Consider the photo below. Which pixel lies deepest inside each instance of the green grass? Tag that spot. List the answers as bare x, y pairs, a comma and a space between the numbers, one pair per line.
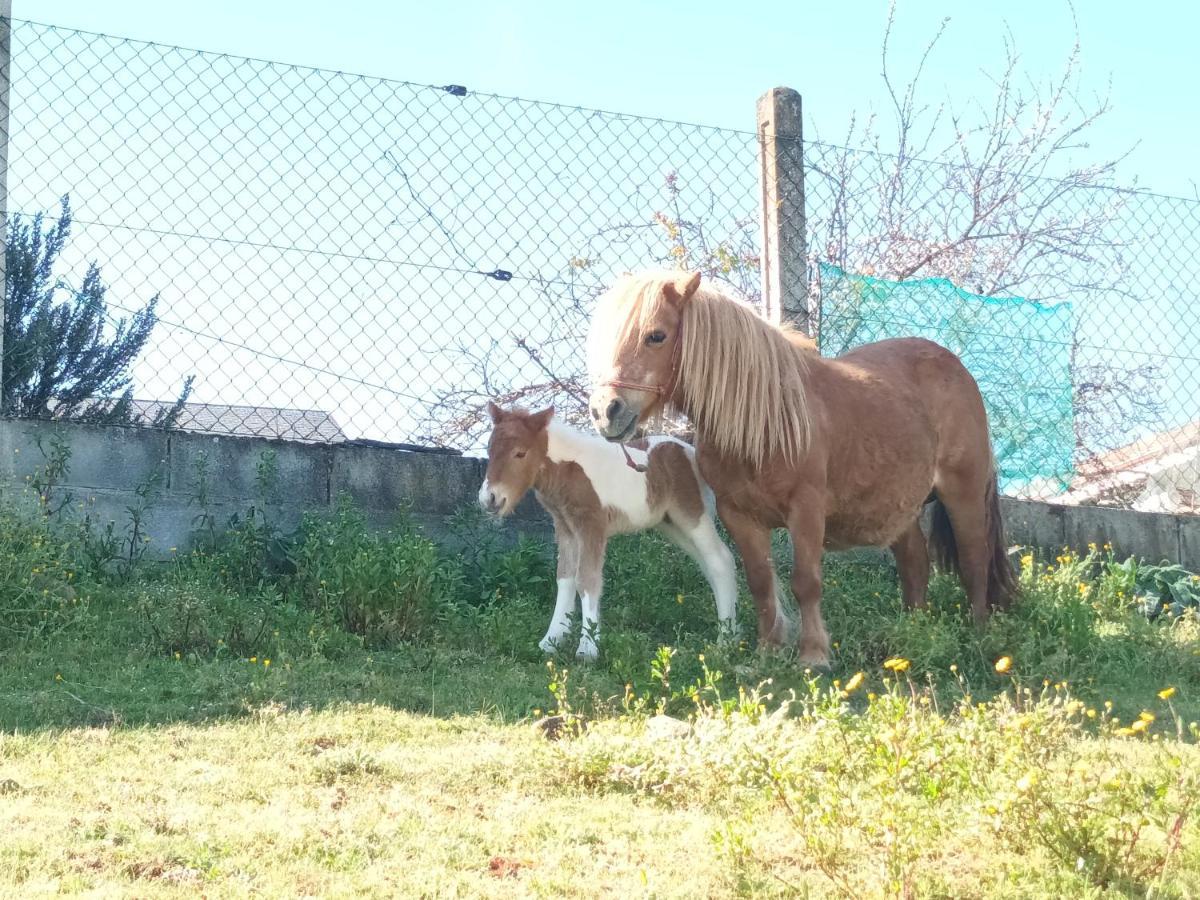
354, 718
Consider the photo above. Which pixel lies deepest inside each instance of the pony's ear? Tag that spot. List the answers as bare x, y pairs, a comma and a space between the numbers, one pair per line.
495, 412
681, 289
540, 420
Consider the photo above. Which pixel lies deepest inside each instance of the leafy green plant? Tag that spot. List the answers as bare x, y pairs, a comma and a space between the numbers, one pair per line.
491, 564
385, 587
186, 616
39, 596
46, 478
1158, 588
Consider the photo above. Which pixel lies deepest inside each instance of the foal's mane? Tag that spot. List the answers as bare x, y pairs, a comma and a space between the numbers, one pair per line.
742, 378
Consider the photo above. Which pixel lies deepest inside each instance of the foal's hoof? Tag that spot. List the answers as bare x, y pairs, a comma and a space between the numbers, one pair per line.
548, 646
587, 654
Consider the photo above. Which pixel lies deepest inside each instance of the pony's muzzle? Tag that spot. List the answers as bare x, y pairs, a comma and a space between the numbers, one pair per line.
614, 419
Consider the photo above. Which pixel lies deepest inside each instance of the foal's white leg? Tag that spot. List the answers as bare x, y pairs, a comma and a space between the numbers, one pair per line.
560, 622
703, 544
564, 601
591, 582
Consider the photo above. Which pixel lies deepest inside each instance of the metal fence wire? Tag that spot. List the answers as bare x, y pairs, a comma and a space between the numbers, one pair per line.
336, 257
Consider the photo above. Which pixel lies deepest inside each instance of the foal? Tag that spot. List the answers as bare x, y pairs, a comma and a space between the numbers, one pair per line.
592, 492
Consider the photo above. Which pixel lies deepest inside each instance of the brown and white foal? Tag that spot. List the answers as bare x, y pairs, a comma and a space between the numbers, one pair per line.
592, 492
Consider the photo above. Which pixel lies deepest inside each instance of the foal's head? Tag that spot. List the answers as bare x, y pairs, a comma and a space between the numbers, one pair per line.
516, 451
635, 349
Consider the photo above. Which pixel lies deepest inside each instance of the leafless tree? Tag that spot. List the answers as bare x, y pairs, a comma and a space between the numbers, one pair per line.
992, 198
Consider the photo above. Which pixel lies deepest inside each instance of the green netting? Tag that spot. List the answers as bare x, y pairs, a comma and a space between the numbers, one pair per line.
1018, 350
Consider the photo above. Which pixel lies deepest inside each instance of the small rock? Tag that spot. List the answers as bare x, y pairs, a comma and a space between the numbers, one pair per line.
661, 728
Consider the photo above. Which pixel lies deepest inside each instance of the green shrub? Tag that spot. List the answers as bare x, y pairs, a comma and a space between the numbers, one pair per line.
385, 587
38, 593
181, 615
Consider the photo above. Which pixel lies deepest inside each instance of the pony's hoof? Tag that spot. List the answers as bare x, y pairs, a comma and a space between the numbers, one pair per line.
548, 645
587, 654
817, 660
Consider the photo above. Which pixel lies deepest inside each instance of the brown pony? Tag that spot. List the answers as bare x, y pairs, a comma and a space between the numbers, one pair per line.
842, 452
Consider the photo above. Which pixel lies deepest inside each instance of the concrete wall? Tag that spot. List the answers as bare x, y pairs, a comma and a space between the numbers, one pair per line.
107, 464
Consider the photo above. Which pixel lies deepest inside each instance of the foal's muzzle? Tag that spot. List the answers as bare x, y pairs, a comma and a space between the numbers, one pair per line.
491, 500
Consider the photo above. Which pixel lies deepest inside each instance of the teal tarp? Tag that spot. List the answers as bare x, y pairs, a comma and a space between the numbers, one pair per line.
1018, 350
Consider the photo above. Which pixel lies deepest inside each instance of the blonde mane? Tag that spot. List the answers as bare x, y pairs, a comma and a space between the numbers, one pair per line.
742, 378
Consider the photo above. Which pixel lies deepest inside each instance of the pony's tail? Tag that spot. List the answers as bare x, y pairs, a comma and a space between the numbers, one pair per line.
785, 611
1002, 587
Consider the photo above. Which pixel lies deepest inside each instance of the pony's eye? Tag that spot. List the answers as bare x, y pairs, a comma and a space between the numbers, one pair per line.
656, 337
520, 454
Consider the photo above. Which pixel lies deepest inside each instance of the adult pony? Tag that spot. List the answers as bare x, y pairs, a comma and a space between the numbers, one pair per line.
842, 452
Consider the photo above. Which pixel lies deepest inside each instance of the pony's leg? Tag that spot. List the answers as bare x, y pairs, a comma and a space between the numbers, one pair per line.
564, 601
912, 565
964, 502
806, 524
702, 543
753, 542
591, 583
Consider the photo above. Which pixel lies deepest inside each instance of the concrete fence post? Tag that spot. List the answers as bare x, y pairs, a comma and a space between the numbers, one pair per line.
5, 71
781, 172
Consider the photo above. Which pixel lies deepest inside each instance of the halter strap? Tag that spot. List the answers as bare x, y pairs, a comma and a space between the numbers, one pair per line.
667, 388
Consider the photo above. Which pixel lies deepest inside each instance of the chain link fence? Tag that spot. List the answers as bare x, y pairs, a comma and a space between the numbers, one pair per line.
338, 257
1074, 304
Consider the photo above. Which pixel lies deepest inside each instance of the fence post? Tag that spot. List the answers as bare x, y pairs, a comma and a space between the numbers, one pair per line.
781, 170
5, 70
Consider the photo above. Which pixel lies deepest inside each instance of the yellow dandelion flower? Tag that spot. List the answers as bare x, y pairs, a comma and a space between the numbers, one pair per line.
855, 682
953, 667
1125, 732
254, 659
679, 599
1139, 726
1003, 664
1027, 561
1146, 716
1091, 714
897, 664
57, 676
1166, 693
266, 663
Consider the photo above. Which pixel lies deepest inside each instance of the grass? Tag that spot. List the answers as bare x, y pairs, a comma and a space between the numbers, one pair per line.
353, 714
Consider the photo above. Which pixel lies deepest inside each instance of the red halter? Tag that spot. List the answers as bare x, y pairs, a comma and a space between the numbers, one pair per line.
667, 388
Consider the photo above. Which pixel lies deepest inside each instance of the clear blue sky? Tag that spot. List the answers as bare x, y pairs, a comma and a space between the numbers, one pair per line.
706, 61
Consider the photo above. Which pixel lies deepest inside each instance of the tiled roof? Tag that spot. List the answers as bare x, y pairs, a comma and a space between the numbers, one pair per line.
311, 425
1166, 465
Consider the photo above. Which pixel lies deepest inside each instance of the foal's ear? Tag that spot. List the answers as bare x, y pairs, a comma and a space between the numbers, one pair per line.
495, 412
681, 289
540, 420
